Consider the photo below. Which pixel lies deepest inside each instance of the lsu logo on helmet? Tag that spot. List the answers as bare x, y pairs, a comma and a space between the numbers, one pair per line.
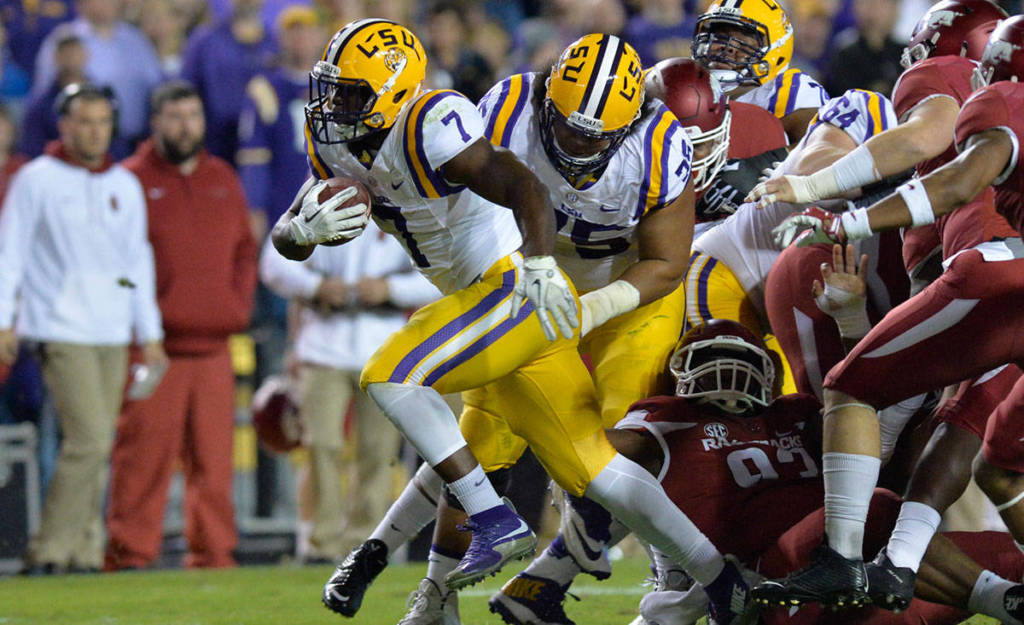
744, 42
594, 94
369, 70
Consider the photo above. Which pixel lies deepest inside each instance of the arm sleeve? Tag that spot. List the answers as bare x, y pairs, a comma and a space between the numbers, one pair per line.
859, 113
148, 324
796, 90
919, 83
287, 278
667, 161
987, 109
449, 123
17, 221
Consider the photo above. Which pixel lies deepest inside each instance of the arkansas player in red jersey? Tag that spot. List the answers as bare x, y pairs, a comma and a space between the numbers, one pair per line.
970, 312
720, 129
758, 486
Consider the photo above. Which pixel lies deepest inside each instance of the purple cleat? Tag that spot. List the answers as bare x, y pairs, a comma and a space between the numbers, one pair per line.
499, 535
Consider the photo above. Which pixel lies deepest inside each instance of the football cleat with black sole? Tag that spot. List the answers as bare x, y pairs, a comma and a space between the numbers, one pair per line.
343, 592
531, 600
890, 586
829, 579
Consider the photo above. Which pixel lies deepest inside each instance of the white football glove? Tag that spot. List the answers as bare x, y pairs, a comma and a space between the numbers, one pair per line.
321, 223
823, 224
544, 286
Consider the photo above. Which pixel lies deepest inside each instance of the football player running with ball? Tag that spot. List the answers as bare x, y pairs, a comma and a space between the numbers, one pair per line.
440, 187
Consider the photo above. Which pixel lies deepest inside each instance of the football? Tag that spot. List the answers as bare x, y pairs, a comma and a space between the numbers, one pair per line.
338, 184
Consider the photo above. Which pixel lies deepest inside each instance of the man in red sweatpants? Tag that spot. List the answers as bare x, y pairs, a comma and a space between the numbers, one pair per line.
206, 272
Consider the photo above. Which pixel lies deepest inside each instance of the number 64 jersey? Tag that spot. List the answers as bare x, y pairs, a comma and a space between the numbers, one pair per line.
721, 468
597, 218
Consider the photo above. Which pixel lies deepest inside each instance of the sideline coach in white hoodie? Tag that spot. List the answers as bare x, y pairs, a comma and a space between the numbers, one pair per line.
77, 279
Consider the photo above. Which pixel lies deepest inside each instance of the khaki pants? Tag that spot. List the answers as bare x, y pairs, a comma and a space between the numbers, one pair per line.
85, 383
351, 484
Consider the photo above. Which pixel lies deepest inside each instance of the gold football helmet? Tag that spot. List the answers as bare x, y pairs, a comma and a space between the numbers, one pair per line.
594, 94
744, 42
369, 70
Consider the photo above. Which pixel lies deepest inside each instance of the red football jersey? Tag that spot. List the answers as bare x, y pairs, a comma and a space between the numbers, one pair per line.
978, 221
743, 143
762, 469
999, 105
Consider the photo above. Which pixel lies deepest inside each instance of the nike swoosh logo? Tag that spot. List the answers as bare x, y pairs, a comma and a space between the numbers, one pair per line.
337, 595
310, 218
509, 536
395, 528
475, 484
590, 553
395, 186
608, 210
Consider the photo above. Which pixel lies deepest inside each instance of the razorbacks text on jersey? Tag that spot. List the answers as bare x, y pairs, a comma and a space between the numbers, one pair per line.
597, 217
762, 467
790, 91
452, 234
999, 106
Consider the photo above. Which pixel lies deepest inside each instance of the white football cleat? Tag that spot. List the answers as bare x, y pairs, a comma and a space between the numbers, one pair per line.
427, 606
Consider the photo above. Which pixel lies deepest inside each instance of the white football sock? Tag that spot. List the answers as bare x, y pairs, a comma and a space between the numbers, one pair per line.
422, 416
634, 497
475, 492
849, 482
987, 597
439, 565
914, 529
412, 511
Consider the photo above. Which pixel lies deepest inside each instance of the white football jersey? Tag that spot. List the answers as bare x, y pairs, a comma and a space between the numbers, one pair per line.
743, 241
597, 219
452, 235
790, 91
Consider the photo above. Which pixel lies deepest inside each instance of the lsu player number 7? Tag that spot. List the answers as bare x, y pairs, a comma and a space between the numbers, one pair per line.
441, 189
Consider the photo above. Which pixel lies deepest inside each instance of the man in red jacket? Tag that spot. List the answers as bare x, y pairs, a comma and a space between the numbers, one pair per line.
206, 272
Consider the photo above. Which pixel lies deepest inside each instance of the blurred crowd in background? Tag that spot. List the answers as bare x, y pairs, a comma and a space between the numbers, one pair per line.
249, 61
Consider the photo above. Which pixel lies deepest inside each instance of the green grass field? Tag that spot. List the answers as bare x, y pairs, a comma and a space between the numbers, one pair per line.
277, 596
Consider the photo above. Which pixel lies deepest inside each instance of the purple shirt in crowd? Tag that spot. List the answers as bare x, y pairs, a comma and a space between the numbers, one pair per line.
221, 67
271, 127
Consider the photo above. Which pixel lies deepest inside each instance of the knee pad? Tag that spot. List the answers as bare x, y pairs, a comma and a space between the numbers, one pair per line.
500, 479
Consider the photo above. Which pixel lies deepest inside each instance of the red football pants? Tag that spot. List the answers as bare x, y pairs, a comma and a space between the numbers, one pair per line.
964, 324
189, 419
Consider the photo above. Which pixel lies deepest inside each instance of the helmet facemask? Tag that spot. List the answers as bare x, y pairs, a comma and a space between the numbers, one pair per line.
734, 61
341, 109
567, 163
716, 144
726, 372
